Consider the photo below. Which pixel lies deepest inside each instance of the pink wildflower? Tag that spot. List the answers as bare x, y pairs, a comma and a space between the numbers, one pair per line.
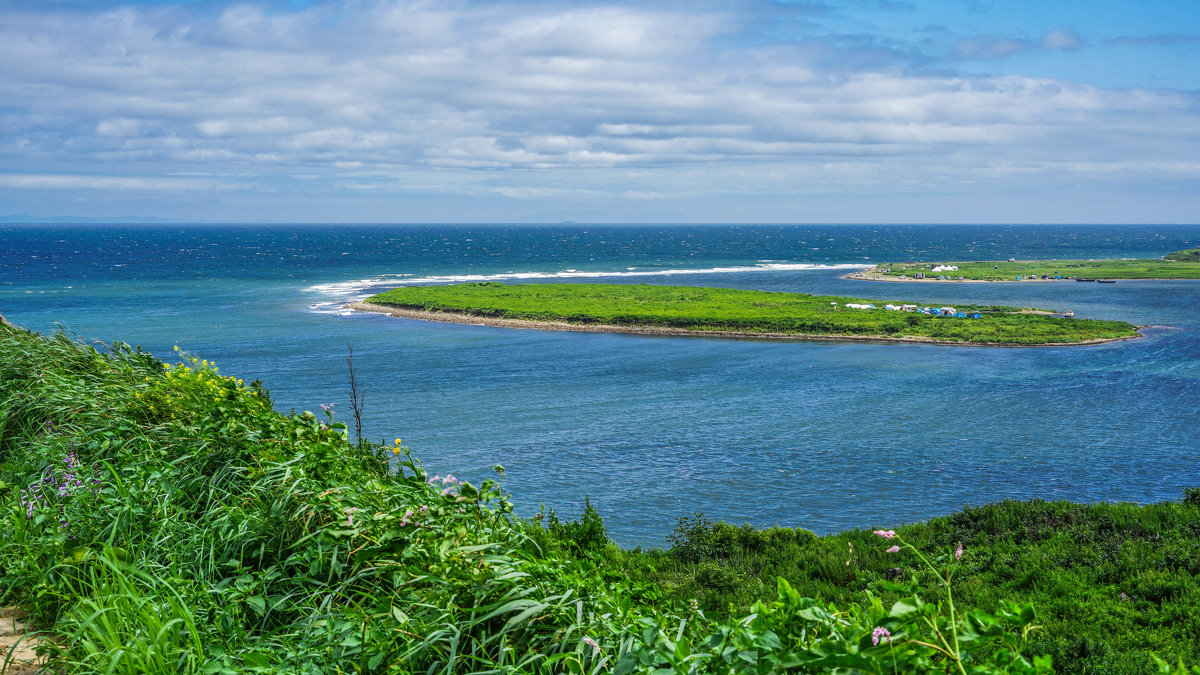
449, 479
880, 632
435, 479
592, 643
350, 516
894, 549
958, 552
446, 491
886, 534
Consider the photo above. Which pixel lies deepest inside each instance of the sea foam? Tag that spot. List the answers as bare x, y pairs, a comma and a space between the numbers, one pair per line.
335, 295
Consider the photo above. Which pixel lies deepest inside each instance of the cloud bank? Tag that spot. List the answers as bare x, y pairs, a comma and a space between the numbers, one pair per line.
540, 105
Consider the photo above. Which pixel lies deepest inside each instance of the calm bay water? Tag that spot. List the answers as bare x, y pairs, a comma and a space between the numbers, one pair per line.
822, 435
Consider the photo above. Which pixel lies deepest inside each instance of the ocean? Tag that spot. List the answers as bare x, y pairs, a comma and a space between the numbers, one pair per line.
821, 435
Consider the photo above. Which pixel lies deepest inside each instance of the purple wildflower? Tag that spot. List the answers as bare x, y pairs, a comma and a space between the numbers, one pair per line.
886, 534
958, 552
894, 549
880, 632
592, 644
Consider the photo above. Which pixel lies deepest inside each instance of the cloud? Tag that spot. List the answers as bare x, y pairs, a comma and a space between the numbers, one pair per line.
990, 47
987, 48
529, 101
1061, 39
92, 182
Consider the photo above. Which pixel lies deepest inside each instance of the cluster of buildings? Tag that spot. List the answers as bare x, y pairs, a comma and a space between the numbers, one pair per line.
932, 311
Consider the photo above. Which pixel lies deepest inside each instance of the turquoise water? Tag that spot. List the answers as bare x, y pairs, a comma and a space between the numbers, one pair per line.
821, 435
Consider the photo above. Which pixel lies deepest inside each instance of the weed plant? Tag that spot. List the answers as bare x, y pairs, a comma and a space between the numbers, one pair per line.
180, 525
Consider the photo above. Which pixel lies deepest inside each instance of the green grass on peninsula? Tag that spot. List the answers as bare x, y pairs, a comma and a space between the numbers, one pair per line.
163, 518
744, 311
1187, 255
1178, 265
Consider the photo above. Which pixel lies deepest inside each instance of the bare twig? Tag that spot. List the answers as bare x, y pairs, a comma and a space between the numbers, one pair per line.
356, 395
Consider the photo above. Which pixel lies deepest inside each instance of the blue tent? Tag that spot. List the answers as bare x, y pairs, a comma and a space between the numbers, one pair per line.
976, 316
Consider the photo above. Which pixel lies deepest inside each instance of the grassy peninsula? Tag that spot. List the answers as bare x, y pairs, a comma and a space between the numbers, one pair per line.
1177, 265
727, 311
160, 517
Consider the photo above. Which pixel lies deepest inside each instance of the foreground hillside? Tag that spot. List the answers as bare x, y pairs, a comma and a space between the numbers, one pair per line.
161, 518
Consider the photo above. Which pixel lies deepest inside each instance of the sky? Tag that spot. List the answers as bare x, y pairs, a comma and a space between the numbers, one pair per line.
753, 111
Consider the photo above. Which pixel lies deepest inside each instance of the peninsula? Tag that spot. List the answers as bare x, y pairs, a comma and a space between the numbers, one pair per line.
1177, 265
727, 312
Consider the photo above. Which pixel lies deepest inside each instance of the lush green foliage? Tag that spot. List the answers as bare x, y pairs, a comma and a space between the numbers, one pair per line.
742, 311
1186, 255
1115, 584
1180, 267
166, 520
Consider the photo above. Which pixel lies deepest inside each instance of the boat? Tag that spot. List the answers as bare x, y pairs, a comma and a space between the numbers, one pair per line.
1106, 281
1082, 279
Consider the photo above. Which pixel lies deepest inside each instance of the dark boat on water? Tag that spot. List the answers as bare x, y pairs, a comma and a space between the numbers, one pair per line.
1106, 281
1082, 279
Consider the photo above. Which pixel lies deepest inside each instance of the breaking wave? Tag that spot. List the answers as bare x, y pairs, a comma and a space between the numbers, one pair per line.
334, 295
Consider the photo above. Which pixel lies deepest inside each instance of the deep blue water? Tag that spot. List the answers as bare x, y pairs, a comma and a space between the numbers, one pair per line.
822, 435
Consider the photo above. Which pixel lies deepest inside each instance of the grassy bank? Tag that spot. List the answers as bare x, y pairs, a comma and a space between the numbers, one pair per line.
716, 310
1185, 265
1186, 255
162, 518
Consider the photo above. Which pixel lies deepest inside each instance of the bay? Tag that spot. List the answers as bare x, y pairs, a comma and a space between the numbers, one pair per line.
822, 435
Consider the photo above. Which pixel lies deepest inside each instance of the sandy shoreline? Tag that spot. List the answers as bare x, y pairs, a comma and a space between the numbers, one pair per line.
471, 319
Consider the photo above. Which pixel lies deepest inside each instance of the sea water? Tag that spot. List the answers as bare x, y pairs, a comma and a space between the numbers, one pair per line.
821, 435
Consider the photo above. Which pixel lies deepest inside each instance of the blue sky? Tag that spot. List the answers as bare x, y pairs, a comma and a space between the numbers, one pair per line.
542, 111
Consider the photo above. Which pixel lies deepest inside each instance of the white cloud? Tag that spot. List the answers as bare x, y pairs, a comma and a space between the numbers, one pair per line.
86, 182
1066, 40
535, 100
